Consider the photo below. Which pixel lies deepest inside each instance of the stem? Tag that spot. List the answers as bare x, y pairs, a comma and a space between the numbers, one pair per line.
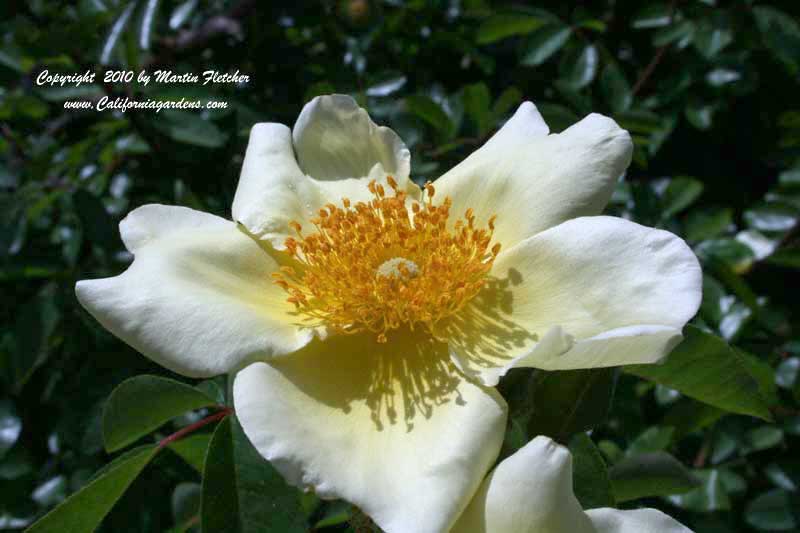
166, 441
651, 67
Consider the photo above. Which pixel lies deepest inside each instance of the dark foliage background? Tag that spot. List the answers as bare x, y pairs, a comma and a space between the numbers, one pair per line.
707, 88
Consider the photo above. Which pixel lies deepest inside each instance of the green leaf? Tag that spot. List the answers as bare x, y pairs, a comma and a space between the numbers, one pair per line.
652, 16
688, 416
579, 66
785, 374
700, 115
98, 226
761, 438
186, 506
189, 128
505, 25
589, 474
35, 324
681, 33
149, 15
242, 492
142, 404
704, 367
557, 116
788, 257
431, 112
649, 474
508, 99
84, 510
781, 34
775, 510
785, 474
708, 222
192, 449
337, 512
772, 217
711, 495
681, 192
10, 426
615, 88
713, 35
181, 14
570, 401
654, 439
543, 43
476, 104
116, 31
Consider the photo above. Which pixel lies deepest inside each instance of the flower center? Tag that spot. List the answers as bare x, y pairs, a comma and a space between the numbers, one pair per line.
399, 267
376, 266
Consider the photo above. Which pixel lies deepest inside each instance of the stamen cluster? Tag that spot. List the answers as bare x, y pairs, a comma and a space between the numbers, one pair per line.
340, 277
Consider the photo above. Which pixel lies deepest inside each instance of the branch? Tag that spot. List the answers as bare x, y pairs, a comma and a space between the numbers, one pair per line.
651, 67
224, 24
166, 441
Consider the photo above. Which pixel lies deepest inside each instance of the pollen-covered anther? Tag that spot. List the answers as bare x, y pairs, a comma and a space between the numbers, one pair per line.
389, 262
399, 267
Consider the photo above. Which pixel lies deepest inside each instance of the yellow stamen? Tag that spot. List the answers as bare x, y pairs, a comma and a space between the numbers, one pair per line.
377, 266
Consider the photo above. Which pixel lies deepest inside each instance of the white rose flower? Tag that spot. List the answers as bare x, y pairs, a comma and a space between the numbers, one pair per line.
531, 492
379, 315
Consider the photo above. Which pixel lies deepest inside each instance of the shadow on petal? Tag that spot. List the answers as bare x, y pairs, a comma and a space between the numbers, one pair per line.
399, 381
483, 334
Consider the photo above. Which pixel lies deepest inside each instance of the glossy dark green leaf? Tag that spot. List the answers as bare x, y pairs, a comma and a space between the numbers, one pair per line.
654, 439
507, 101
116, 32
476, 104
711, 495
336, 513
781, 34
192, 449
10, 426
425, 108
615, 87
704, 367
181, 13
190, 128
707, 222
688, 416
558, 117
579, 65
98, 226
570, 401
186, 507
35, 324
772, 216
242, 492
84, 510
681, 33
712, 36
149, 19
784, 474
505, 25
655, 15
387, 84
787, 372
763, 373
650, 474
700, 115
761, 438
681, 192
142, 404
775, 510
590, 479
543, 43
788, 257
